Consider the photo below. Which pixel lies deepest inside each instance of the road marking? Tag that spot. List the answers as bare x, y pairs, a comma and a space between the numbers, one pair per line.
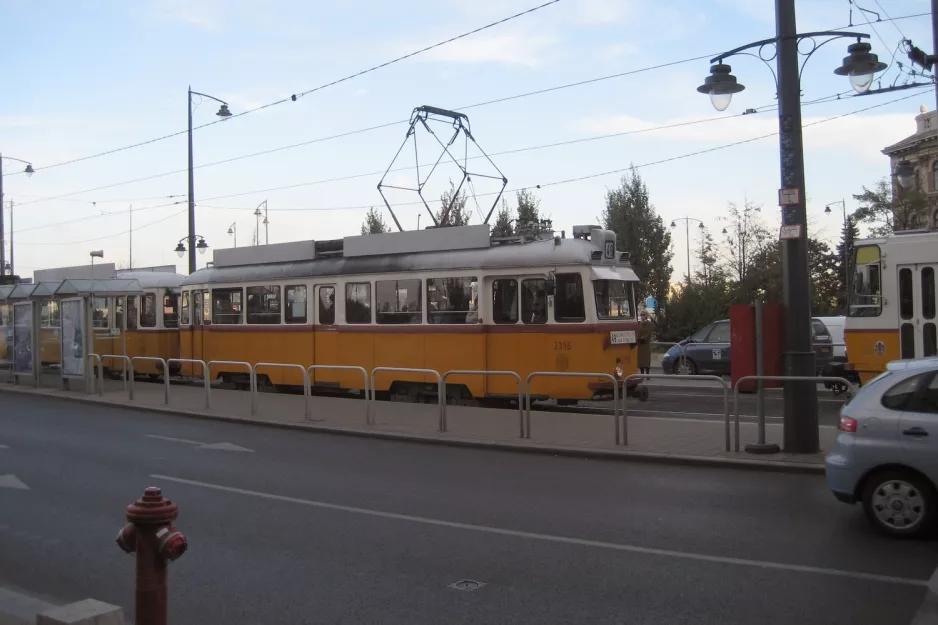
582, 542
3, 447
200, 445
11, 481
705, 414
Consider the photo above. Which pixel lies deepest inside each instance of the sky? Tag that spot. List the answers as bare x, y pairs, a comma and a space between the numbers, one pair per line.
89, 77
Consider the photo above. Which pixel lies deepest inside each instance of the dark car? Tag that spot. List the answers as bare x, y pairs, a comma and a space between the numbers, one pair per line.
708, 350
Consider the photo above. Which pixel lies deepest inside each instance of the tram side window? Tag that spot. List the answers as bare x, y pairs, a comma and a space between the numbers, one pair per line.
131, 312
171, 310
327, 305
505, 300
227, 307
263, 305
928, 292
866, 299
399, 301
100, 315
295, 310
196, 308
207, 307
534, 301
148, 311
452, 300
906, 301
358, 302
184, 320
118, 312
569, 305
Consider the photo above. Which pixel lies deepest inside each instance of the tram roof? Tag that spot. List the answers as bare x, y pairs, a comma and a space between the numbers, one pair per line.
560, 252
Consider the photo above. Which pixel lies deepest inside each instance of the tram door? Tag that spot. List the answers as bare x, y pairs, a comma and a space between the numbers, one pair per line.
917, 321
201, 315
326, 339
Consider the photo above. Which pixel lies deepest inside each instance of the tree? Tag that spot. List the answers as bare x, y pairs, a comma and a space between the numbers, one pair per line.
746, 237
710, 271
458, 214
528, 207
848, 235
885, 213
641, 232
691, 307
374, 223
502, 227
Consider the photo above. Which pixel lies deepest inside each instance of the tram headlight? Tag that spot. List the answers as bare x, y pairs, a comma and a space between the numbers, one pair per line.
619, 372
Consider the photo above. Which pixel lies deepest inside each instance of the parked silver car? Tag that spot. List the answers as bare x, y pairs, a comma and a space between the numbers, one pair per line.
886, 452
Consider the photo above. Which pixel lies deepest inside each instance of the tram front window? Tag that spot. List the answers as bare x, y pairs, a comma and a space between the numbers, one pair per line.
866, 296
614, 299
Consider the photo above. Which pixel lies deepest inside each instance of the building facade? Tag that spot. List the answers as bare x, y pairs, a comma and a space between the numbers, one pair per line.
920, 149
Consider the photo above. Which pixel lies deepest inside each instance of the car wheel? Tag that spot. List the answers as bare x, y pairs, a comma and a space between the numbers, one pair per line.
899, 502
685, 366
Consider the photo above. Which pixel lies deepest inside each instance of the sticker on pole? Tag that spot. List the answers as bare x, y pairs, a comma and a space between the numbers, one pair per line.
792, 231
788, 196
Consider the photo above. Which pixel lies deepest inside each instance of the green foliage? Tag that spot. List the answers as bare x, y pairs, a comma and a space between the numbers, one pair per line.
640, 231
458, 214
528, 207
502, 227
374, 223
884, 213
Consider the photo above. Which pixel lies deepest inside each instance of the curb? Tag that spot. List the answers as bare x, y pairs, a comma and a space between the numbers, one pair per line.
774, 466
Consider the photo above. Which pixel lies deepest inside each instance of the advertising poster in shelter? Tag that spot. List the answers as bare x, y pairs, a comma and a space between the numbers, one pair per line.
73, 343
23, 337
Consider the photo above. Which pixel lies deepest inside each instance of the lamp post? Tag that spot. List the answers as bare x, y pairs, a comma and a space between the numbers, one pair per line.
257, 214
181, 246
847, 250
801, 420
29, 172
223, 112
233, 230
687, 221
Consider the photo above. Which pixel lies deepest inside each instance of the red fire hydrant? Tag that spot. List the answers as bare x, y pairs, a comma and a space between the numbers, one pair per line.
151, 535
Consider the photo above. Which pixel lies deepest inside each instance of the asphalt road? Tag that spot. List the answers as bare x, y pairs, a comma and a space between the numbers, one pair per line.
314, 528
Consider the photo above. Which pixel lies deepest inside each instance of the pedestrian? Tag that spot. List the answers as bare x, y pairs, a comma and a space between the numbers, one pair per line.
643, 338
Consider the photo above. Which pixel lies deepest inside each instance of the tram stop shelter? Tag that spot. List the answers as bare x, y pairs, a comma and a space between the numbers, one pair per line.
35, 336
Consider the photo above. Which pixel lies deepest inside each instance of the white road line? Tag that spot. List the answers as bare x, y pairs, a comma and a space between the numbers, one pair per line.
582, 542
3, 447
175, 440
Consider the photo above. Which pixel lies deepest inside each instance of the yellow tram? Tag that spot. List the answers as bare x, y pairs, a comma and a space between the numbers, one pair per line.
440, 299
892, 303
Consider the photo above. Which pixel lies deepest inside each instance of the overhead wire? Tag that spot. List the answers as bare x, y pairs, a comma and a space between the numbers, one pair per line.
102, 238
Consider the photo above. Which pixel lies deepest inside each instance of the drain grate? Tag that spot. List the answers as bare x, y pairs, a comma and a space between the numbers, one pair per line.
467, 585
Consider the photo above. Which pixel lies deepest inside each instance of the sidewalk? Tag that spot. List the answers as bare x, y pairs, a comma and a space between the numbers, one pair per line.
651, 439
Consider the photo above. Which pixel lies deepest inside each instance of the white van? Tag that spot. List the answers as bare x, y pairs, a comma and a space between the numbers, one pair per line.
835, 326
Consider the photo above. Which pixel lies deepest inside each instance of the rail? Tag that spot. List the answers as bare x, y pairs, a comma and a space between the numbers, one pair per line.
778, 378
570, 374
279, 365
99, 383
165, 371
441, 389
206, 380
471, 372
126, 371
652, 376
345, 368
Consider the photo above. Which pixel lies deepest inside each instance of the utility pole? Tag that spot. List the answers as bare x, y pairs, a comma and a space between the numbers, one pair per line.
130, 248
12, 266
801, 417
191, 237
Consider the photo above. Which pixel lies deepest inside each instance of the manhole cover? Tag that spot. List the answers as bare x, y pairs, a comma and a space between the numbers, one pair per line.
467, 585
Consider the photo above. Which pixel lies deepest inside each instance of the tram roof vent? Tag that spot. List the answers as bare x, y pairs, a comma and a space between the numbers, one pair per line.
415, 241
584, 232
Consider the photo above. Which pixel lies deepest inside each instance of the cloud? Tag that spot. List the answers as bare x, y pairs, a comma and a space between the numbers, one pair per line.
508, 48
204, 14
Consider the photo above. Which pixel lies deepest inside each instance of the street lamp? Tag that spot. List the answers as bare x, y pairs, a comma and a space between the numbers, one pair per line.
687, 221
181, 246
847, 250
905, 172
257, 226
801, 418
223, 113
29, 171
233, 230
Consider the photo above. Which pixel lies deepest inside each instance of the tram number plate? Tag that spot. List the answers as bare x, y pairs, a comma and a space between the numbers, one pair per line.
622, 337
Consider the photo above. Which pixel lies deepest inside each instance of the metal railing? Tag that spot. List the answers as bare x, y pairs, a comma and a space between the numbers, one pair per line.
569, 374
237, 363
441, 389
99, 383
165, 370
777, 378
206, 380
278, 365
345, 368
124, 372
511, 373
653, 376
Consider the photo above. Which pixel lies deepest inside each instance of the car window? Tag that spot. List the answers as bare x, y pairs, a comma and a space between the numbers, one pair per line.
928, 401
898, 397
720, 334
818, 328
701, 335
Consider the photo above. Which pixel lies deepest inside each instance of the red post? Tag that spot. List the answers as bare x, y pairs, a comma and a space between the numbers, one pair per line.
151, 535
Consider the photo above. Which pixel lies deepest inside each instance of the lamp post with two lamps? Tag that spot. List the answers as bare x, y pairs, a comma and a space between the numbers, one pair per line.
223, 113
860, 65
181, 246
233, 230
29, 171
687, 221
257, 228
